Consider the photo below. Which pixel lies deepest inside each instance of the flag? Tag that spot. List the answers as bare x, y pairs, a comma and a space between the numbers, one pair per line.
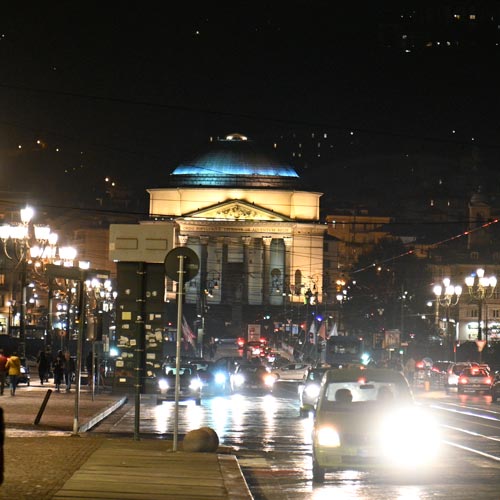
312, 332
334, 332
322, 330
187, 333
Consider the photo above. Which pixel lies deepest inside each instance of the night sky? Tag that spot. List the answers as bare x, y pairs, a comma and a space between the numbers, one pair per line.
129, 90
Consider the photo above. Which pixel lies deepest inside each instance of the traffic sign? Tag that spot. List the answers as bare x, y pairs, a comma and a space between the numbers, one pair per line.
190, 267
480, 344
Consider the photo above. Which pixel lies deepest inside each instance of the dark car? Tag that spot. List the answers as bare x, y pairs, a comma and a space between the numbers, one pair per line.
474, 379
309, 390
252, 377
495, 388
189, 384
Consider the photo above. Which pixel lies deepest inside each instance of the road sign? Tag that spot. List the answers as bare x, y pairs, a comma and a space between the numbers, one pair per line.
190, 267
480, 344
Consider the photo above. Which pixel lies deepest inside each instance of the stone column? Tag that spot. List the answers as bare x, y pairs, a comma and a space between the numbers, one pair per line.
266, 240
246, 272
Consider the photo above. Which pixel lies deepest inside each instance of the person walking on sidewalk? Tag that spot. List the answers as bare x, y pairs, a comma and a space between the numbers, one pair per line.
58, 369
3, 371
69, 370
43, 366
13, 366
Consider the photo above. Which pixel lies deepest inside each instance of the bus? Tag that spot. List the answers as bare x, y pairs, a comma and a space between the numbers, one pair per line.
345, 349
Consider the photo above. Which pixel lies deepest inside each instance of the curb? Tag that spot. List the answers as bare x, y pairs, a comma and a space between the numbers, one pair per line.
234, 480
101, 416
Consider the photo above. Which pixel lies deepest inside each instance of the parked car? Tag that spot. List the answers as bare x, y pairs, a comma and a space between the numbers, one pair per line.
189, 384
474, 379
291, 371
367, 419
252, 377
309, 390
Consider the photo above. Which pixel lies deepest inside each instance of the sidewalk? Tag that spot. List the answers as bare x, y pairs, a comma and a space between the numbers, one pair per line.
49, 460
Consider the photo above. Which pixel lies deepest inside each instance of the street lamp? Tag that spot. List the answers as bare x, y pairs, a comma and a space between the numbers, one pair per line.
17, 240
481, 288
447, 296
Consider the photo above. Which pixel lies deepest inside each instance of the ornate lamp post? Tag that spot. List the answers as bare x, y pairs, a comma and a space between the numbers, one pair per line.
447, 296
481, 288
18, 240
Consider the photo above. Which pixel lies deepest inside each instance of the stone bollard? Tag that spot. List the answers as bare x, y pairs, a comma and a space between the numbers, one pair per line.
203, 440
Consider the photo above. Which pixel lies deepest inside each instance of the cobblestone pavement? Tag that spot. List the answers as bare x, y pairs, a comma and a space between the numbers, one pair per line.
36, 467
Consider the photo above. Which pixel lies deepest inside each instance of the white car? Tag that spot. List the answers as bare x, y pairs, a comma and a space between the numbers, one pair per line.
291, 371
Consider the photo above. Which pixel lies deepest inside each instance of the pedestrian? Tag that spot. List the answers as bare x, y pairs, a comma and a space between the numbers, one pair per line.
69, 370
89, 363
43, 366
58, 368
13, 366
3, 371
409, 370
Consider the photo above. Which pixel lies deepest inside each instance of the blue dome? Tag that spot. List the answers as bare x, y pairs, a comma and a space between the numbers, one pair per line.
234, 161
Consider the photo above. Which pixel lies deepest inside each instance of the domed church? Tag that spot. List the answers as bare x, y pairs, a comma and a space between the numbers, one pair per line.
256, 233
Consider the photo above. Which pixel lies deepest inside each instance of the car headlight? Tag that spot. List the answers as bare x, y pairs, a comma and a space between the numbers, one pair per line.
312, 390
220, 378
269, 380
327, 436
195, 384
409, 437
239, 379
162, 384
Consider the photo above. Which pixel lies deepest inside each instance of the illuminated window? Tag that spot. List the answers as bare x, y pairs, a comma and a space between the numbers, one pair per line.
456, 16
472, 17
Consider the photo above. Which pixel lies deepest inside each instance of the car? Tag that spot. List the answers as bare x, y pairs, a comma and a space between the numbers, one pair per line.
367, 419
291, 371
474, 379
254, 348
189, 384
252, 377
454, 370
439, 373
495, 387
309, 390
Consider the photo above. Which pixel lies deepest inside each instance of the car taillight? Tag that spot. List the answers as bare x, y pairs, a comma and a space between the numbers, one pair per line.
463, 380
489, 380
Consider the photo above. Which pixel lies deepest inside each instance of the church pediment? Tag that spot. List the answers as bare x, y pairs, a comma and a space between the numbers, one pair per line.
237, 210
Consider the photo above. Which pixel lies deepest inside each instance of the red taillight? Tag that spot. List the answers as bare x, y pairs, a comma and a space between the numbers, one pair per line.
489, 380
463, 380
420, 364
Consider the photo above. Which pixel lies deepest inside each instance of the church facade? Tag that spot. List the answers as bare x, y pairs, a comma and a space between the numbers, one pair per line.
257, 236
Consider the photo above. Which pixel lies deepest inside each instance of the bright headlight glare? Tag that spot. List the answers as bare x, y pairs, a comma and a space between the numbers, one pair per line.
162, 384
195, 384
312, 390
220, 378
409, 437
269, 380
328, 436
239, 379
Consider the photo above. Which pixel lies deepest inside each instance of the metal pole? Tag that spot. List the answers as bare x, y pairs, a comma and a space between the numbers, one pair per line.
139, 348
81, 326
180, 291
22, 319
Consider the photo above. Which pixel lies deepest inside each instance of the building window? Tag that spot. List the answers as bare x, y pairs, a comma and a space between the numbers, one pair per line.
473, 313
495, 313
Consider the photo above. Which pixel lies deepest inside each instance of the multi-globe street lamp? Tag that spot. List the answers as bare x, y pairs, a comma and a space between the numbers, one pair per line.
447, 296
34, 244
480, 288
